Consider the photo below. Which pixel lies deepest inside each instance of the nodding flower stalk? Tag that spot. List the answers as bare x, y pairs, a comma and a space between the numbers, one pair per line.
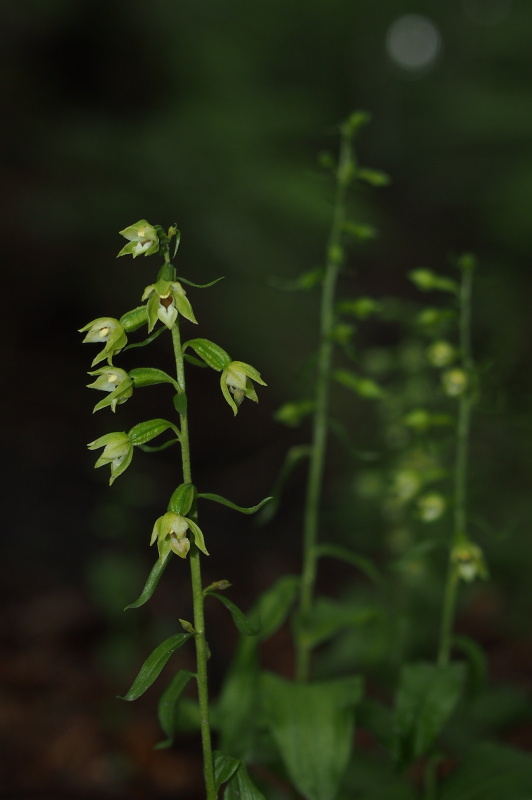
176, 531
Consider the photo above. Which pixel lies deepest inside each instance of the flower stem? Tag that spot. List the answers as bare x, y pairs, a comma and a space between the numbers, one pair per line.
344, 175
461, 463
197, 590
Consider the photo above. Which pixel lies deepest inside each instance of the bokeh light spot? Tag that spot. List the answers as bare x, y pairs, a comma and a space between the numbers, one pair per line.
413, 42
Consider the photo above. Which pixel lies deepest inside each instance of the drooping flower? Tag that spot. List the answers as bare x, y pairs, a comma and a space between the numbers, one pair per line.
166, 299
469, 561
115, 381
431, 507
118, 452
455, 382
236, 383
143, 239
170, 533
108, 331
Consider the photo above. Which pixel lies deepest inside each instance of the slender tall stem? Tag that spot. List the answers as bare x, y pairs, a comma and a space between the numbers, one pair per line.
197, 590
460, 471
345, 174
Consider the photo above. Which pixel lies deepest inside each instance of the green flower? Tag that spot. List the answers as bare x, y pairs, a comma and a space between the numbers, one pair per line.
431, 507
170, 533
166, 299
118, 452
143, 239
108, 331
469, 561
236, 382
454, 382
115, 381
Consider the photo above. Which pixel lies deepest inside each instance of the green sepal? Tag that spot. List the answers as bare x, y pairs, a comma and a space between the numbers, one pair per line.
243, 624
182, 499
150, 585
146, 431
168, 703
211, 353
374, 177
241, 787
154, 664
200, 285
364, 387
216, 498
198, 535
134, 319
354, 559
180, 402
148, 376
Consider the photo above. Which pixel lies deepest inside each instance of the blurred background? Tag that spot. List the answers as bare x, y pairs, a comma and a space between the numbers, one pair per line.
212, 116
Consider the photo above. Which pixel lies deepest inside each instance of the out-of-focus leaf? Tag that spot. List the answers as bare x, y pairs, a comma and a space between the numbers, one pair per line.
241, 787
329, 617
168, 705
490, 772
224, 768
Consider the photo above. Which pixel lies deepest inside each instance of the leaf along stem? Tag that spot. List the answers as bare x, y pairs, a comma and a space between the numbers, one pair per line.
334, 257
197, 591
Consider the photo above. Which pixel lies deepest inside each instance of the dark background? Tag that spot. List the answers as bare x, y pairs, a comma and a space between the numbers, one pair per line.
211, 115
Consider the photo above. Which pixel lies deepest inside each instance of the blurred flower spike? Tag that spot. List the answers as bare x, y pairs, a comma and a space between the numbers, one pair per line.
469, 561
108, 331
143, 239
236, 383
118, 452
166, 299
115, 381
170, 533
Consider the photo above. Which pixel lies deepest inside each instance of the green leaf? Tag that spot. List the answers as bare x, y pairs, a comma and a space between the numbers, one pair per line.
239, 618
426, 698
292, 458
237, 712
241, 787
180, 403
147, 376
490, 772
153, 665
146, 448
146, 431
329, 617
149, 588
200, 285
274, 605
224, 768
312, 725
213, 355
168, 704
364, 387
216, 498
362, 563
292, 414
477, 661
151, 338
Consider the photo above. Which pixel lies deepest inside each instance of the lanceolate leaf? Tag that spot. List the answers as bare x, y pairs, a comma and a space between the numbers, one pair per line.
147, 376
216, 498
224, 768
426, 698
312, 725
241, 787
168, 705
149, 340
146, 431
349, 557
239, 618
153, 665
149, 588
274, 605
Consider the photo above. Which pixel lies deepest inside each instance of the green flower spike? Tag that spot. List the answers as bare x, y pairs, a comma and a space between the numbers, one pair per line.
108, 331
115, 381
143, 239
166, 299
170, 532
118, 452
236, 383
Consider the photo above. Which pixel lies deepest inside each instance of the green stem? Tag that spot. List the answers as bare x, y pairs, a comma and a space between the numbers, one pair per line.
460, 472
197, 592
345, 174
